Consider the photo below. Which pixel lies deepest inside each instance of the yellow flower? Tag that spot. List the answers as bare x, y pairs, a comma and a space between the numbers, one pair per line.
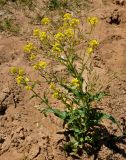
32, 57
40, 65
55, 94
75, 82
28, 47
67, 16
36, 66
42, 36
28, 88
19, 79
26, 80
89, 50
56, 47
52, 86
14, 70
74, 22
45, 21
21, 72
69, 33
59, 36
93, 43
93, 20
36, 32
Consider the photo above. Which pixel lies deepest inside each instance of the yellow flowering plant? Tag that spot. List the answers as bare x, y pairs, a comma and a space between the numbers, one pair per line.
81, 120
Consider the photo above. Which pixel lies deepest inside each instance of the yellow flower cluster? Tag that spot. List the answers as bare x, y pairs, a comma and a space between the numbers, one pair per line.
56, 92
32, 57
21, 72
69, 32
59, 36
40, 65
52, 86
42, 36
29, 47
75, 82
69, 20
15, 70
67, 16
74, 22
56, 47
21, 79
93, 20
89, 50
24, 81
36, 32
45, 21
93, 43
28, 88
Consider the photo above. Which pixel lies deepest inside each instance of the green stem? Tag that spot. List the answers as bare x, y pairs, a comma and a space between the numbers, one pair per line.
42, 100
75, 73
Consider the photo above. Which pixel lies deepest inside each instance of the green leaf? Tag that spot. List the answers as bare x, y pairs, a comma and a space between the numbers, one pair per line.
33, 96
97, 96
111, 118
61, 114
45, 97
33, 85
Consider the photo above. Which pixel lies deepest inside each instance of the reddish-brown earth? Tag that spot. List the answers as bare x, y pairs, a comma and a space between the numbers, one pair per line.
24, 132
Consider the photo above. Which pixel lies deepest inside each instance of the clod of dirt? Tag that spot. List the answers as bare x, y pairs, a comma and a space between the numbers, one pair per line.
5, 146
19, 133
115, 17
2, 109
119, 2
34, 152
2, 139
3, 96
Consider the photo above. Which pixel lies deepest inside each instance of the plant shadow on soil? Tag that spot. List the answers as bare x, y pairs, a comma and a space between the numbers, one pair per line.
108, 140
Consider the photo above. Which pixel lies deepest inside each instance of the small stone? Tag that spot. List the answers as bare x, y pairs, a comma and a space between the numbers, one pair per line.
34, 152
2, 13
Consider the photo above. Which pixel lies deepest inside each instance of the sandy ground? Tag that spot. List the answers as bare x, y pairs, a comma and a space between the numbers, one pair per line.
24, 132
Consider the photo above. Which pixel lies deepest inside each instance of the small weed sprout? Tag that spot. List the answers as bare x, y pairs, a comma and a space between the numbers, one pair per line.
28, 3
58, 44
72, 5
8, 25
